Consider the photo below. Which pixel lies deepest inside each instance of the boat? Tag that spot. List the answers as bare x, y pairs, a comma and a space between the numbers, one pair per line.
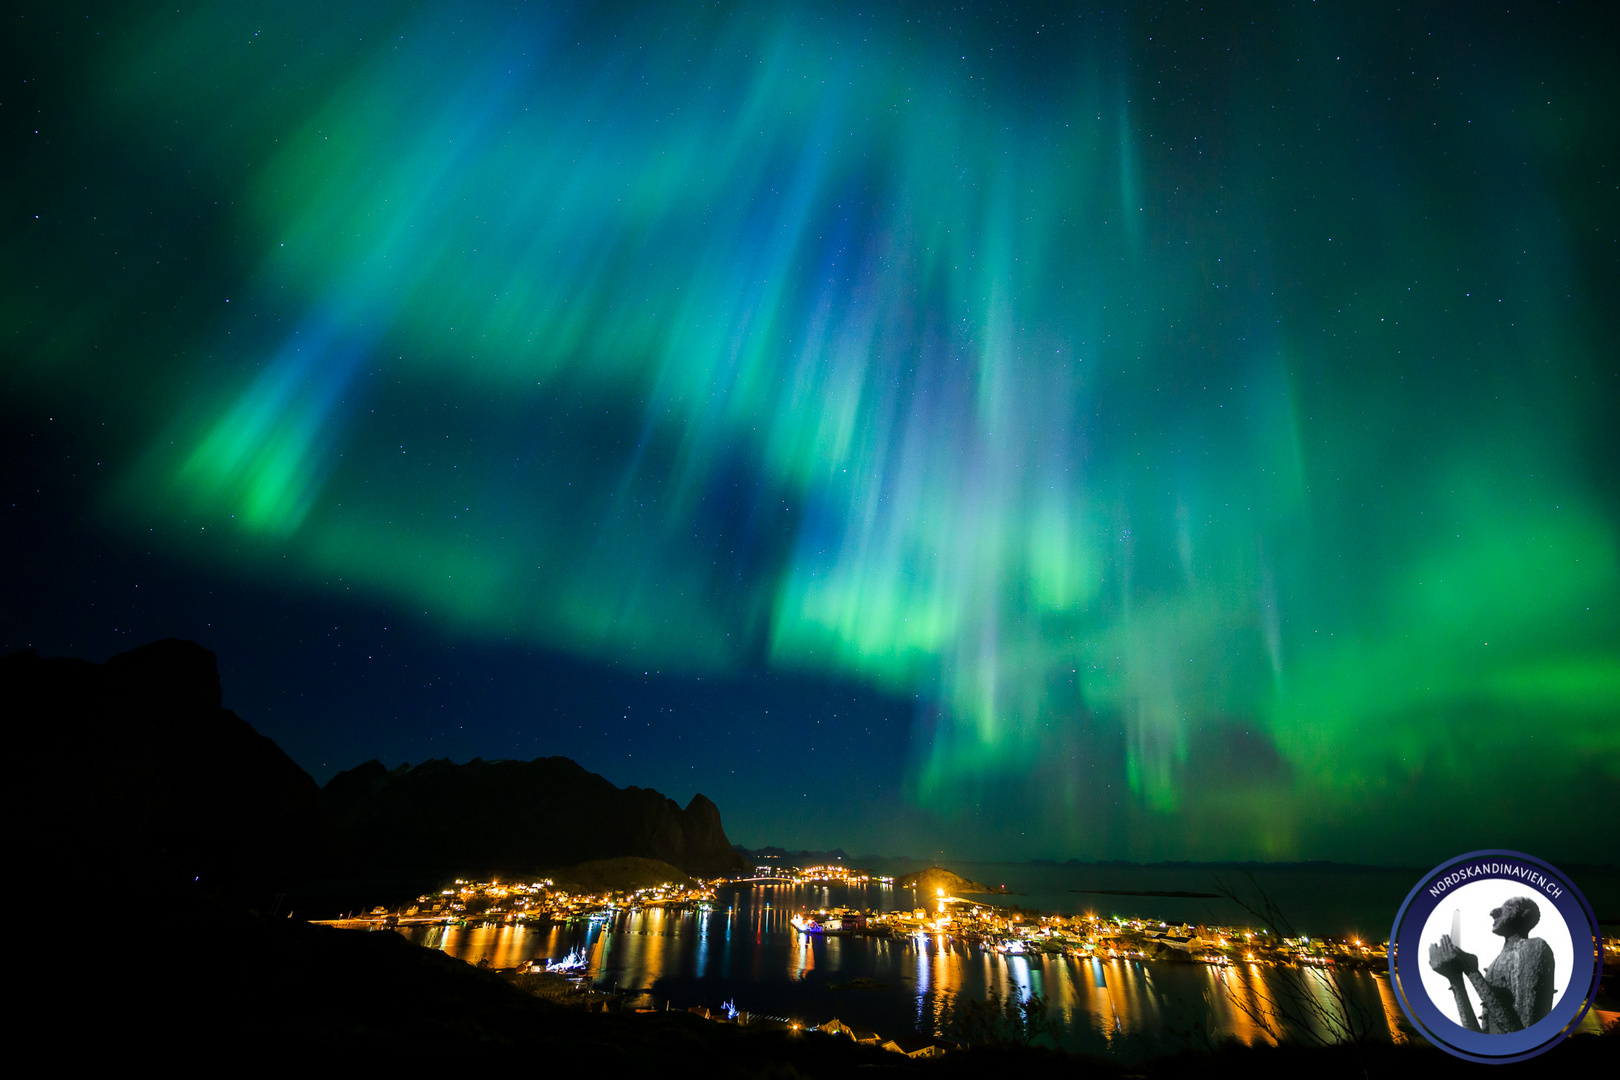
837, 921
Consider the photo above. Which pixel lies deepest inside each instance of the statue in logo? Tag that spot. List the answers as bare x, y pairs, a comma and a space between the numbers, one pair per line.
1517, 989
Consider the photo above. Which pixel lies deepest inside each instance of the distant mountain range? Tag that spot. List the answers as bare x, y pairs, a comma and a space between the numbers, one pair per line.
770, 855
502, 817
133, 768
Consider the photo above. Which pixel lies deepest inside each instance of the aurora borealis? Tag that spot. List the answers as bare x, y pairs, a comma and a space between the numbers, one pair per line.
1201, 421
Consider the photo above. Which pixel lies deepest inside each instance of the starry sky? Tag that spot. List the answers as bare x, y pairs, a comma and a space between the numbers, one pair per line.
1146, 431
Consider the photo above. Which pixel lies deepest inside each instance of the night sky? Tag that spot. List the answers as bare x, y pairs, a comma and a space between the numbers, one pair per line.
1121, 431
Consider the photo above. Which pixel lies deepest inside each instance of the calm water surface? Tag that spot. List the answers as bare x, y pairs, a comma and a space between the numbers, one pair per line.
745, 951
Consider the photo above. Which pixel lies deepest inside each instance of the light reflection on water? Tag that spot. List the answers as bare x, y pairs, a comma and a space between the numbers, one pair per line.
746, 950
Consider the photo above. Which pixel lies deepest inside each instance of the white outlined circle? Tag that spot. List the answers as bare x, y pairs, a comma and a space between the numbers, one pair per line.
1473, 903
1443, 894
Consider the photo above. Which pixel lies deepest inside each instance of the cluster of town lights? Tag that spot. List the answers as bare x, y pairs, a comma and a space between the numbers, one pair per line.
1005, 930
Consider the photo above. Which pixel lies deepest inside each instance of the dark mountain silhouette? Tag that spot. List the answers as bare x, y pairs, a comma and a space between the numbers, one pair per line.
134, 767
514, 817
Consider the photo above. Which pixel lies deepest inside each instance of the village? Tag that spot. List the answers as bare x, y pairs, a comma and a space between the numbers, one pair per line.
1007, 930
1015, 931
928, 921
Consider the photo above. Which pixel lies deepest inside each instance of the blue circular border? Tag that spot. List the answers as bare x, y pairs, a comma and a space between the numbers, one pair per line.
1539, 1037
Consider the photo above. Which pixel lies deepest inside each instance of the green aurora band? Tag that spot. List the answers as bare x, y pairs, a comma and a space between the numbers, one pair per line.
1217, 462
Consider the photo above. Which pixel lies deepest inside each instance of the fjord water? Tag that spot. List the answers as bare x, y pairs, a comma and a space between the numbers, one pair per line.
745, 951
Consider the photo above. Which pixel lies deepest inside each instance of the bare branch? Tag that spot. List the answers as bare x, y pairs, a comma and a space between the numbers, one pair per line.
1298, 1005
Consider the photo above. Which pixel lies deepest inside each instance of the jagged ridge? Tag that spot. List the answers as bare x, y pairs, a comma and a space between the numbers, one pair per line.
514, 817
134, 765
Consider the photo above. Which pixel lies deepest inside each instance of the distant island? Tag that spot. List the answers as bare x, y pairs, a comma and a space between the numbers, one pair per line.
937, 880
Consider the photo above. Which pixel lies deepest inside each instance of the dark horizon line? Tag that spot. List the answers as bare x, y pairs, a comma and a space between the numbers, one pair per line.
1239, 864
